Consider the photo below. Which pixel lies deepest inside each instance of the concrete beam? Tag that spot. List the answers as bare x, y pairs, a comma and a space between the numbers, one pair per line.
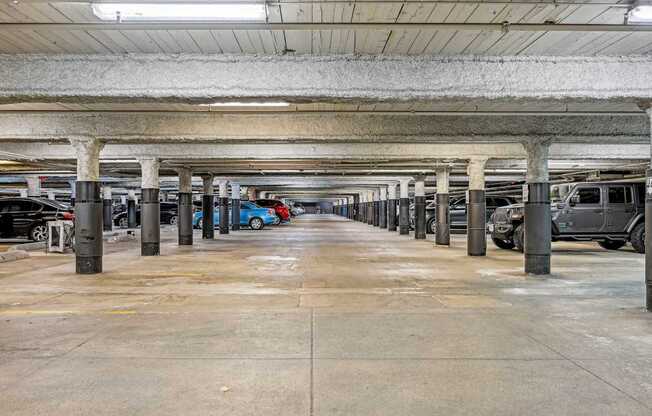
208, 78
346, 127
183, 152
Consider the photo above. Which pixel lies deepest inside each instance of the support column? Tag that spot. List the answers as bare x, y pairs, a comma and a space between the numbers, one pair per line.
376, 206
88, 209
419, 209
537, 217
33, 185
404, 208
107, 202
363, 207
150, 208
648, 227
370, 207
391, 208
185, 207
132, 220
73, 191
235, 206
224, 207
476, 235
442, 210
208, 206
382, 208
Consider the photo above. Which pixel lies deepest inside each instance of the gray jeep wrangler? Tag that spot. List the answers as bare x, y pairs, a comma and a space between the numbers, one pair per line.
611, 213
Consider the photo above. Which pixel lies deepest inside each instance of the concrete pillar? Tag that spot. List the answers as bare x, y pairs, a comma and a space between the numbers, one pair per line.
370, 207
382, 208
132, 219
51, 196
363, 207
648, 228
185, 207
376, 208
537, 217
88, 209
235, 206
150, 208
224, 207
476, 235
391, 207
107, 203
73, 191
419, 209
251, 193
123, 200
404, 208
33, 185
208, 206
442, 200
22, 193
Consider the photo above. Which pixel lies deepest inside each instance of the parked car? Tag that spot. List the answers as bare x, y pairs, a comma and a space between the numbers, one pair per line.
282, 210
457, 212
169, 215
251, 215
29, 216
297, 209
611, 213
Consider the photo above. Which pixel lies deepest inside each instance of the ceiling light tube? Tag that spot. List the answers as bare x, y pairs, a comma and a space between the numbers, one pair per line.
248, 104
139, 12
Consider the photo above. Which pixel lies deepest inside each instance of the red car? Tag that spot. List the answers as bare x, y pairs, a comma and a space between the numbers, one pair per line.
281, 210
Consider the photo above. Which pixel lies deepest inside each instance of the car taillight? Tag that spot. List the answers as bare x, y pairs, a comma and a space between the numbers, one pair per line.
68, 216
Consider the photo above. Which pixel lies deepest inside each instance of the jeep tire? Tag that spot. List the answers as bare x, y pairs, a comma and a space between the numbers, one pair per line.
611, 244
503, 244
518, 237
637, 238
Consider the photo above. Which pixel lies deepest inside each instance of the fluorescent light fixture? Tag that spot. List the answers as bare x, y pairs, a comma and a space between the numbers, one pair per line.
640, 13
125, 12
248, 104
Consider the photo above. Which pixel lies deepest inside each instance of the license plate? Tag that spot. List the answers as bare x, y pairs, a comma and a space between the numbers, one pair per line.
490, 228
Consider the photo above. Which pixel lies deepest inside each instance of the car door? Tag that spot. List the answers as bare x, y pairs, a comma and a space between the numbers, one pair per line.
458, 213
619, 208
25, 214
584, 212
6, 219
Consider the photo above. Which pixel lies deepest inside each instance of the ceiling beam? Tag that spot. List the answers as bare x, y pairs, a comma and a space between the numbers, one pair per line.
336, 127
208, 78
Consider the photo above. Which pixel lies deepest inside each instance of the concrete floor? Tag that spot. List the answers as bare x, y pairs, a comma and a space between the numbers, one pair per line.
325, 317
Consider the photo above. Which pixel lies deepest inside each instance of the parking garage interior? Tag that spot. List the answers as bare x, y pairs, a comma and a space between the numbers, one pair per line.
325, 207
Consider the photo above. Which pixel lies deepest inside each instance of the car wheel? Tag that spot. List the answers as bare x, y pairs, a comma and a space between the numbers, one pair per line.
518, 237
123, 222
173, 220
39, 232
505, 245
256, 224
277, 221
431, 227
611, 244
637, 238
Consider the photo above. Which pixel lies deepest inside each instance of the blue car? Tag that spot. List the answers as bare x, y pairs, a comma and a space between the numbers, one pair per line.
251, 215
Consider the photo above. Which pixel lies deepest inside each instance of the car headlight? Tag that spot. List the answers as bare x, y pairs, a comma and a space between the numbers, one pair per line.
516, 215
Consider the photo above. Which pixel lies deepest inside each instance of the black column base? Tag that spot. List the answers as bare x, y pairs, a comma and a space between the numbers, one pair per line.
382, 221
207, 228
150, 222
132, 219
88, 265
476, 234
391, 215
420, 217
648, 243
184, 222
108, 214
538, 228
150, 249
235, 215
404, 216
88, 228
442, 230
224, 215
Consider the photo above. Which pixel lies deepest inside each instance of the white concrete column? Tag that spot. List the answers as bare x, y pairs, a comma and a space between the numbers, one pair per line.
149, 167
107, 192
405, 188
123, 200
235, 190
475, 170
383, 194
537, 160
132, 195
207, 182
443, 175
88, 158
23, 193
185, 180
51, 196
33, 185
391, 191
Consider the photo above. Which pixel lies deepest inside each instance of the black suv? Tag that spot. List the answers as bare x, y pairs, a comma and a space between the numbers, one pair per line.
29, 216
611, 213
169, 215
458, 212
